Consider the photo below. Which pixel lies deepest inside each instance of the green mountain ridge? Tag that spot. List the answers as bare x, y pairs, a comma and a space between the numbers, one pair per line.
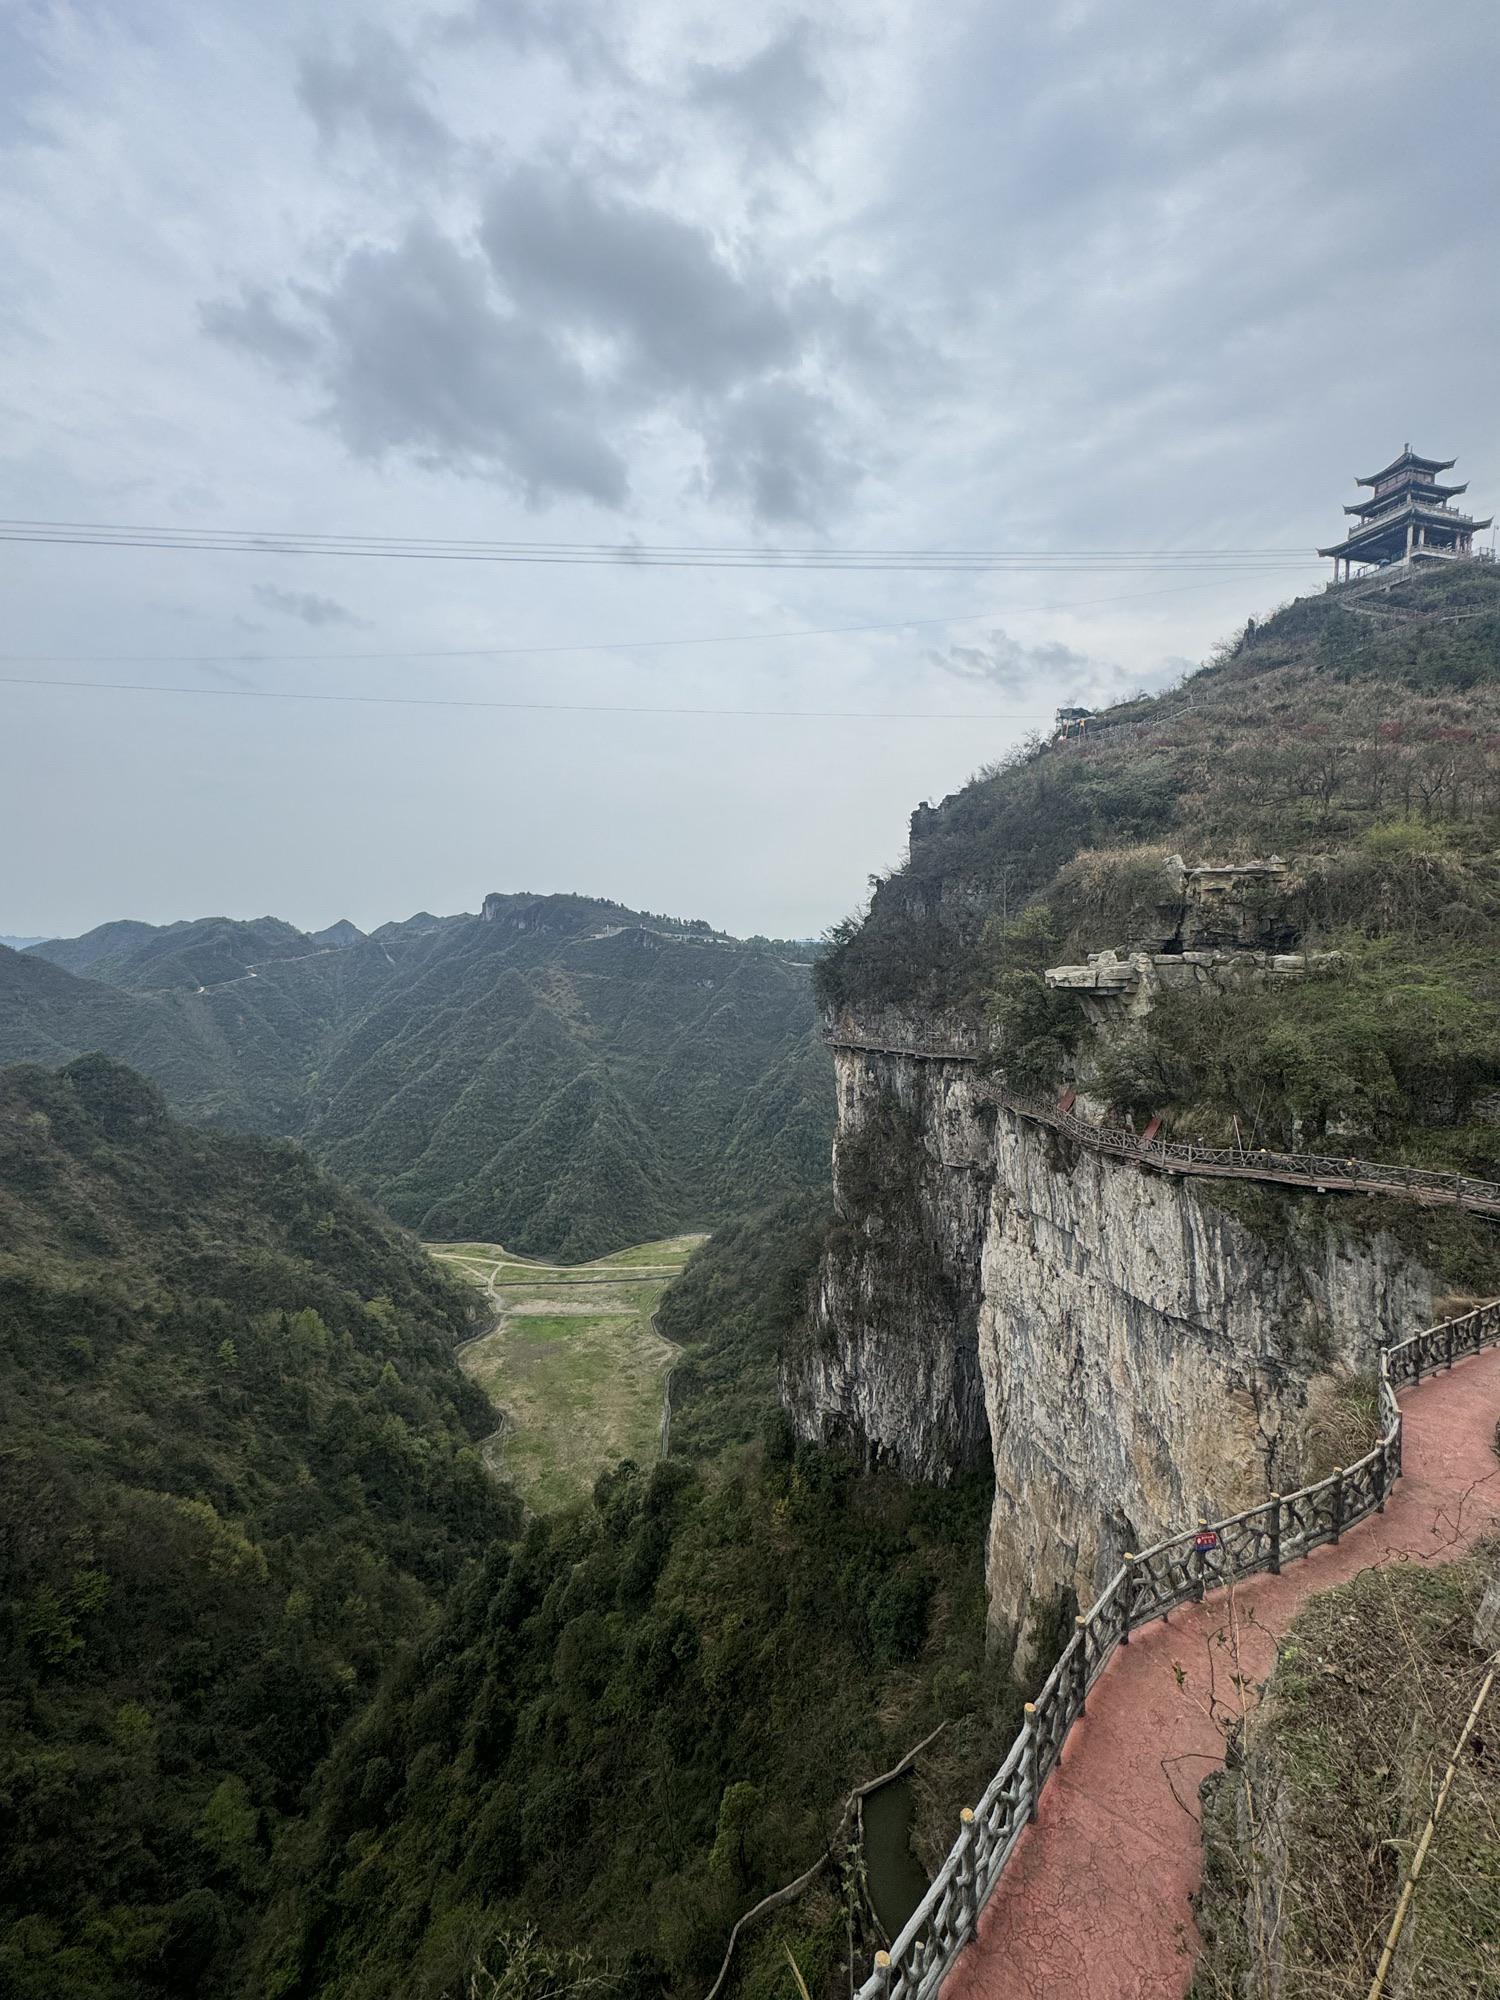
560, 1073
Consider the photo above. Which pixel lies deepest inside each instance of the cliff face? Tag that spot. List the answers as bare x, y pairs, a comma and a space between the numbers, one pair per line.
1127, 1352
893, 1365
1147, 1358
1129, 1348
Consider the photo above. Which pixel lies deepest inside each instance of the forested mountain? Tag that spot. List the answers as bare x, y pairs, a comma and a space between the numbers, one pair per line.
236, 1469
645, 1714
148, 958
559, 1073
239, 1495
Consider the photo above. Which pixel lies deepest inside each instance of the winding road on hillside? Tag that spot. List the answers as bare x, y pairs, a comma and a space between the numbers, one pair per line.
1096, 1901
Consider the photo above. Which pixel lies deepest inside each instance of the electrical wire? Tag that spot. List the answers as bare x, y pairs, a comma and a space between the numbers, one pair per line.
600, 708
542, 707
245, 541
595, 646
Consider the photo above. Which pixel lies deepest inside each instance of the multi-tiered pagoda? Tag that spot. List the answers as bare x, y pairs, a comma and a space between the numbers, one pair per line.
1406, 519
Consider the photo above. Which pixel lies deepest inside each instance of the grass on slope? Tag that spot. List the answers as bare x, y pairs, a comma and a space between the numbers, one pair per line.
1368, 1698
574, 1362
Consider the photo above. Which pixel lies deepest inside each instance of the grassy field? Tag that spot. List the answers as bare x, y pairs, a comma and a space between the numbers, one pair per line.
573, 1361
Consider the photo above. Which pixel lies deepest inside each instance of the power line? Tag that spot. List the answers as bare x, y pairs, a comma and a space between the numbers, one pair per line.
623, 549
608, 708
36, 533
542, 707
599, 646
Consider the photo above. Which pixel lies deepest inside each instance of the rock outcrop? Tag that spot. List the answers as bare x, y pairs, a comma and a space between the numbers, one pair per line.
1126, 1351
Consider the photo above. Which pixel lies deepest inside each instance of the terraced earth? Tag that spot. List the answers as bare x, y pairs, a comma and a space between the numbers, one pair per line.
573, 1362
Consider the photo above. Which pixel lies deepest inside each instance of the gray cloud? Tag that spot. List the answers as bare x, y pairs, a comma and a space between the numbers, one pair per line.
771, 99
573, 32
372, 91
422, 357
1000, 661
784, 450
417, 355
586, 314
305, 605
660, 287
255, 322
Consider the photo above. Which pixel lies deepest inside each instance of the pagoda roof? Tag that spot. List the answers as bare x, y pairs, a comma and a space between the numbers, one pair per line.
1413, 508
1409, 458
1372, 534
1425, 491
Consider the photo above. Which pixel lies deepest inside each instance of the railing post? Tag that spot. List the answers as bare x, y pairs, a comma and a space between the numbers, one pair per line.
1382, 1480
1081, 1665
1033, 1762
968, 1887
1127, 1598
882, 1972
1337, 1506
1274, 1504
1448, 1345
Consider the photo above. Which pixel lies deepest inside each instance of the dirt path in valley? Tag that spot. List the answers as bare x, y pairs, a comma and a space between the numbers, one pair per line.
1096, 1901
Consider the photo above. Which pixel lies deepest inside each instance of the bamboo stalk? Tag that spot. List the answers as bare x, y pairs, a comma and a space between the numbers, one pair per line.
1409, 1887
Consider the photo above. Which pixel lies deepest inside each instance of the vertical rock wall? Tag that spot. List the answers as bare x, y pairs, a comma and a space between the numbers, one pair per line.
1126, 1352
1147, 1358
891, 1363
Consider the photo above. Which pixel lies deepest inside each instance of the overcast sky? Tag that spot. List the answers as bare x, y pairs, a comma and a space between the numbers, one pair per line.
1098, 276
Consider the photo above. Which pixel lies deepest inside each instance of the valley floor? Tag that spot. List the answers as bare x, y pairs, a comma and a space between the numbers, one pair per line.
573, 1361
1097, 1901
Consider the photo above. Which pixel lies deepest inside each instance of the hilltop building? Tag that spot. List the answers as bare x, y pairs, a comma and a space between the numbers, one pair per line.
1406, 520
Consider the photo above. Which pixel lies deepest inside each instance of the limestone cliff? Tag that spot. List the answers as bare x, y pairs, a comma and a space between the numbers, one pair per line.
1232, 912
1127, 1353
893, 1363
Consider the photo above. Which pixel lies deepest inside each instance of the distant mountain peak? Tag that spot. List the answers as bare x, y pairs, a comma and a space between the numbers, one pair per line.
566, 1076
338, 936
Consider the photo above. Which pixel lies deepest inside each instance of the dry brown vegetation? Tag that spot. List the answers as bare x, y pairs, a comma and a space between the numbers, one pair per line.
1311, 1835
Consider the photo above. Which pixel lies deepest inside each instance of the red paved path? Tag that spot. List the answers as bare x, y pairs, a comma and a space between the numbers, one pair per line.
1095, 1903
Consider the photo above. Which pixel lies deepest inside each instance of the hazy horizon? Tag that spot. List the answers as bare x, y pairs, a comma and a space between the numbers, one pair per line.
311, 927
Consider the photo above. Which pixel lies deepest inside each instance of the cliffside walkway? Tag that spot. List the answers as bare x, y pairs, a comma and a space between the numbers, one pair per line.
1074, 1879
1324, 1171
1096, 1901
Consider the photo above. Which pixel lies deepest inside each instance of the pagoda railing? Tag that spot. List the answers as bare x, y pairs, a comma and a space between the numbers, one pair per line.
1180, 1570
1324, 1171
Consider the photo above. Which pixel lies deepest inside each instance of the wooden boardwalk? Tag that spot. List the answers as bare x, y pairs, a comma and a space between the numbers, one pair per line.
1327, 1173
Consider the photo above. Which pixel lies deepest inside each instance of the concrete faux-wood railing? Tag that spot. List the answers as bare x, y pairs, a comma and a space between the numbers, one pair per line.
1146, 1587
1324, 1171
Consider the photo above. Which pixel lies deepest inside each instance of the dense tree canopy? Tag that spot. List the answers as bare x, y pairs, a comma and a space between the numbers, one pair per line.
236, 1469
